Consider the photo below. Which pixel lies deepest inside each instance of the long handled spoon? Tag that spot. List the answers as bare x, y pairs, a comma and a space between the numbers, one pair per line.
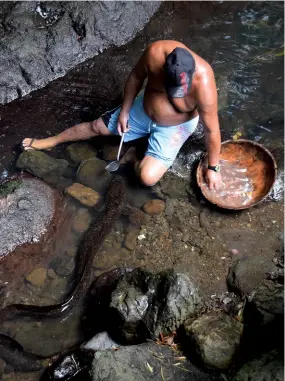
114, 165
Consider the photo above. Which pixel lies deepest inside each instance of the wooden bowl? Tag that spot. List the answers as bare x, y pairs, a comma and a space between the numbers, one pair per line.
248, 171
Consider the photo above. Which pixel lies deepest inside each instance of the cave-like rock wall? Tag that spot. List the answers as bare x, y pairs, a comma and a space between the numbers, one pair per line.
41, 41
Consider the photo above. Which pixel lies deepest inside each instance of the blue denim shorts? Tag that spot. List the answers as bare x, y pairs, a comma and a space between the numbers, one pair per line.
164, 142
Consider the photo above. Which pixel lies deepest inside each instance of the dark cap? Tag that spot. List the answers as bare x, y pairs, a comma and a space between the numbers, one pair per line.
179, 69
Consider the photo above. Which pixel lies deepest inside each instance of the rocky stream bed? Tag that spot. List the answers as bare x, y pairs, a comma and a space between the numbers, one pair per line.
178, 289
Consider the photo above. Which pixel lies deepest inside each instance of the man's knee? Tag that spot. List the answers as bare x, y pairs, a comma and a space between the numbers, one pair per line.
148, 178
94, 126
98, 127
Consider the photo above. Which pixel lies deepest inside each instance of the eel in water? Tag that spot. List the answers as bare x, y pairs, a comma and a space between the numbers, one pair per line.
92, 241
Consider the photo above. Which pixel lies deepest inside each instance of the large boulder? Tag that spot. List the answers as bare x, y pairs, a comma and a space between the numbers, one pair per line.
215, 337
60, 35
93, 174
25, 213
145, 362
268, 367
248, 272
144, 304
42, 165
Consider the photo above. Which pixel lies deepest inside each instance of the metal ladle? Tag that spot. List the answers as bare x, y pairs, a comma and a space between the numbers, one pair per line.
114, 165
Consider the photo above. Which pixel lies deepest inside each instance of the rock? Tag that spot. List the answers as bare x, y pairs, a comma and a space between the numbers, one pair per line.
81, 221
146, 304
247, 273
145, 362
216, 337
37, 277
138, 218
268, 367
131, 239
154, 207
85, 195
100, 342
92, 173
60, 36
109, 153
79, 152
20, 224
42, 165
2, 366
267, 304
63, 265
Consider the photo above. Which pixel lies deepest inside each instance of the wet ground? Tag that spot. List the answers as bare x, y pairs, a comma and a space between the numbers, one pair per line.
244, 44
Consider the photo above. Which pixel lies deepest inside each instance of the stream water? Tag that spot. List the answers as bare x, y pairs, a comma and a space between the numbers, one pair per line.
244, 45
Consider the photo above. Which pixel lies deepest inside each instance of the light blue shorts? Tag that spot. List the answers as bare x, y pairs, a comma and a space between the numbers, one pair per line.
164, 142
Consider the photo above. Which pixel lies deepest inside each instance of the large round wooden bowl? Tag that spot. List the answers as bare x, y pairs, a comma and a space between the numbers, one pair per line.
248, 171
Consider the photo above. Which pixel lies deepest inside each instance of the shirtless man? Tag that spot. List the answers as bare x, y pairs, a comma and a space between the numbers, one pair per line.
180, 89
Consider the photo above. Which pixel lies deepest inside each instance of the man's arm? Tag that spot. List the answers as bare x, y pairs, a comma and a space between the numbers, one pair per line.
133, 86
208, 111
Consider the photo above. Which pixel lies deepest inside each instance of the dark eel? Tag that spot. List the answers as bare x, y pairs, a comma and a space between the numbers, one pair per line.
91, 243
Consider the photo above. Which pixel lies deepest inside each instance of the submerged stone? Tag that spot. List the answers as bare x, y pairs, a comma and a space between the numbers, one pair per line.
216, 338
42, 165
154, 207
79, 152
100, 342
37, 277
85, 195
93, 174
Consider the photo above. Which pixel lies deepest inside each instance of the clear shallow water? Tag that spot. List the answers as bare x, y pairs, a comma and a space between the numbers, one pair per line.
245, 50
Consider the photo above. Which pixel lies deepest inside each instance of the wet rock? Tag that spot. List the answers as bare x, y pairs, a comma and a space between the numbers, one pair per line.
216, 338
92, 173
145, 362
109, 153
100, 342
79, 152
81, 221
42, 165
268, 367
138, 218
2, 366
85, 195
131, 239
37, 277
60, 36
248, 272
146, 304
63, 265
154, 207
173, 186
21, 224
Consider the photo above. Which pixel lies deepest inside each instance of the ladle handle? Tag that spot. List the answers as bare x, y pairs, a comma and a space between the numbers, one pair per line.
121, 143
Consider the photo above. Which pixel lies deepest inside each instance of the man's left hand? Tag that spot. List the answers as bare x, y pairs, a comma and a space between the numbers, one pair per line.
214, 180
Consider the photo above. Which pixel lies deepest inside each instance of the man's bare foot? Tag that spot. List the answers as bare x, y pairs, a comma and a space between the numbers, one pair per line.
47, 144
130, 156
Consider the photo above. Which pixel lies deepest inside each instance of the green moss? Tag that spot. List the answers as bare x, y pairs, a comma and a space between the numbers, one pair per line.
9, 187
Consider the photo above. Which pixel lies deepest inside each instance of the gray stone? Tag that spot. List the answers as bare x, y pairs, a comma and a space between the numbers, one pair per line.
60, 35
42, 165
147, 304
101, 342
268, 367
79, 152
63, 265
146, 362
93, 174
248, 272
216, 337
19, 224
267, 303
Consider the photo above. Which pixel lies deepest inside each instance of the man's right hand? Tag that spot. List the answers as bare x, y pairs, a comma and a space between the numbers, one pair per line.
123, 125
